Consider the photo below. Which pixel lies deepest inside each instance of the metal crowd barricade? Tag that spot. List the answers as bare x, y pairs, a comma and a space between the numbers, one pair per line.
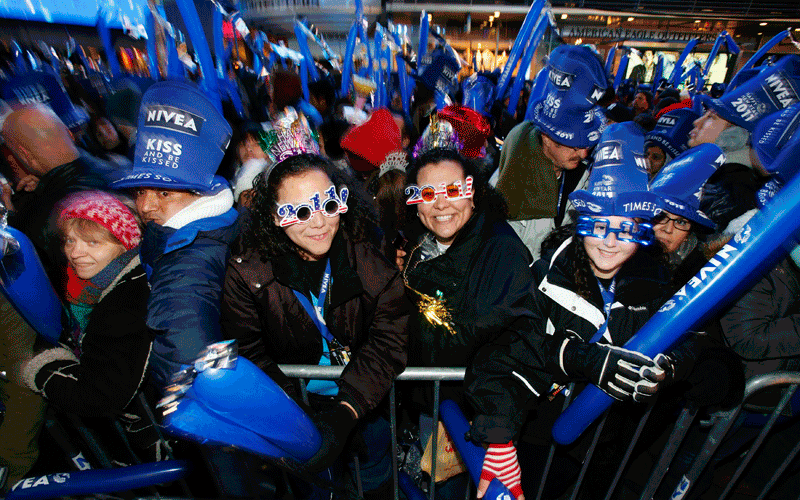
682, 426
725, 421
435, 375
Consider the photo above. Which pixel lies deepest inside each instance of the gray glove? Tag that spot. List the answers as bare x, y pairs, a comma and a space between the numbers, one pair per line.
621, 373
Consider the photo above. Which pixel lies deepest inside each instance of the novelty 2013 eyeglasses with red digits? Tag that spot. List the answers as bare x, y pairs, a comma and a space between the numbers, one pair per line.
301, 214
427, 194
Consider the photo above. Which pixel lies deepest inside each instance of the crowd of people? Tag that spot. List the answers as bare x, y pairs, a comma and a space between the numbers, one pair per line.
526, 247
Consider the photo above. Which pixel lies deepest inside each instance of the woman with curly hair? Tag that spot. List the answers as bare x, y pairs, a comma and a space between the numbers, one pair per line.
307, 287
594, 290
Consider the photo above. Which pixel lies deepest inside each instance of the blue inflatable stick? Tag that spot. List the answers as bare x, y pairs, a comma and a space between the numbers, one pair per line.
677, 71
471, 453
108, 45
422, 46
152, 53
610, 59
347, 64
621, 69
525, 62
713, 54
763, 51
90, 482
519, 45
402, 77
198, 37
27, 288
763, 241
409, 489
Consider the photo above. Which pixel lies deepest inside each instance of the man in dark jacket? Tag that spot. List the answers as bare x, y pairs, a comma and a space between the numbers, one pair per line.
41, 141
190, 220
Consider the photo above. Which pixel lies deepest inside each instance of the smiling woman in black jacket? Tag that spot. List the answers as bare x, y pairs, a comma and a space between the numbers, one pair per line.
469, 259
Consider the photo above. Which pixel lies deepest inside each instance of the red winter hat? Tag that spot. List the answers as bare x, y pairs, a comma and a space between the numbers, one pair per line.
370, 142
472, 128
107, 211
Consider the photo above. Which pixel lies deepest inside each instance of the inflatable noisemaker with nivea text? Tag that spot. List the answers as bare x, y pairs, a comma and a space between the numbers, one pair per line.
25, 284
226, 400
762, 242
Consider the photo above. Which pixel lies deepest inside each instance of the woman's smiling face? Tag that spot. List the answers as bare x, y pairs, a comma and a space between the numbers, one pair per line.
444, 217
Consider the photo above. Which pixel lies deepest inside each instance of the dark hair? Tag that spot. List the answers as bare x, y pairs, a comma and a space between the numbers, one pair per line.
485, 197
646, 121
323, 89
390, 200
358, 223
576, 254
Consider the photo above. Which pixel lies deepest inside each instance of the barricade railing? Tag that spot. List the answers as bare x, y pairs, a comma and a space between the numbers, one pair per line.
724, 422
717, 435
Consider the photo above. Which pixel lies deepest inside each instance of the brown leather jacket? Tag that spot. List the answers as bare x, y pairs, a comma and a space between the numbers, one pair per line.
367, 310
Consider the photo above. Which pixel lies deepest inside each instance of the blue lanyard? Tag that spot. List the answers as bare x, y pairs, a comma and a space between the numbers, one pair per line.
608, 299
317, 310
560, 193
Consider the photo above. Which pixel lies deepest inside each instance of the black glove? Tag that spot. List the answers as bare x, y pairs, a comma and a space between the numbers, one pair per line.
619, 372
335, 425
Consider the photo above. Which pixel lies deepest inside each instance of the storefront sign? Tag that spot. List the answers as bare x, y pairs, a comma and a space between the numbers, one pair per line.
634, 34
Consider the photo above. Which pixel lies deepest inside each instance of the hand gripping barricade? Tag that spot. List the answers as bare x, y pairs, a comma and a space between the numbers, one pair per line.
25, 284
225, 400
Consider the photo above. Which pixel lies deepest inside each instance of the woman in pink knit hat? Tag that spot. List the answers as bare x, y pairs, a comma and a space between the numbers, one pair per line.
101, 360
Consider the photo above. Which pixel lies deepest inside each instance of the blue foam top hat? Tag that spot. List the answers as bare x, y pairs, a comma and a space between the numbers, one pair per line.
565, 111
679, 185
479, 94
181, 140
43, 87
672, 131
772, 89
438, 71
618, 179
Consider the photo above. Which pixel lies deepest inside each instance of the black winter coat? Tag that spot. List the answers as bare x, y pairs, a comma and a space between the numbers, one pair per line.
486, 281
366, 309
114, 353
511, 373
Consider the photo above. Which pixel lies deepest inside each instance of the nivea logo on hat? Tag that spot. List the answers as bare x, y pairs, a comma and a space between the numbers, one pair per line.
173, 119
561, 79
780, 90
667, 121
608, 153
31, 94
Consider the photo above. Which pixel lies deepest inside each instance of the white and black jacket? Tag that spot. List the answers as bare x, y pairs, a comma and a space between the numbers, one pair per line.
511, 375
